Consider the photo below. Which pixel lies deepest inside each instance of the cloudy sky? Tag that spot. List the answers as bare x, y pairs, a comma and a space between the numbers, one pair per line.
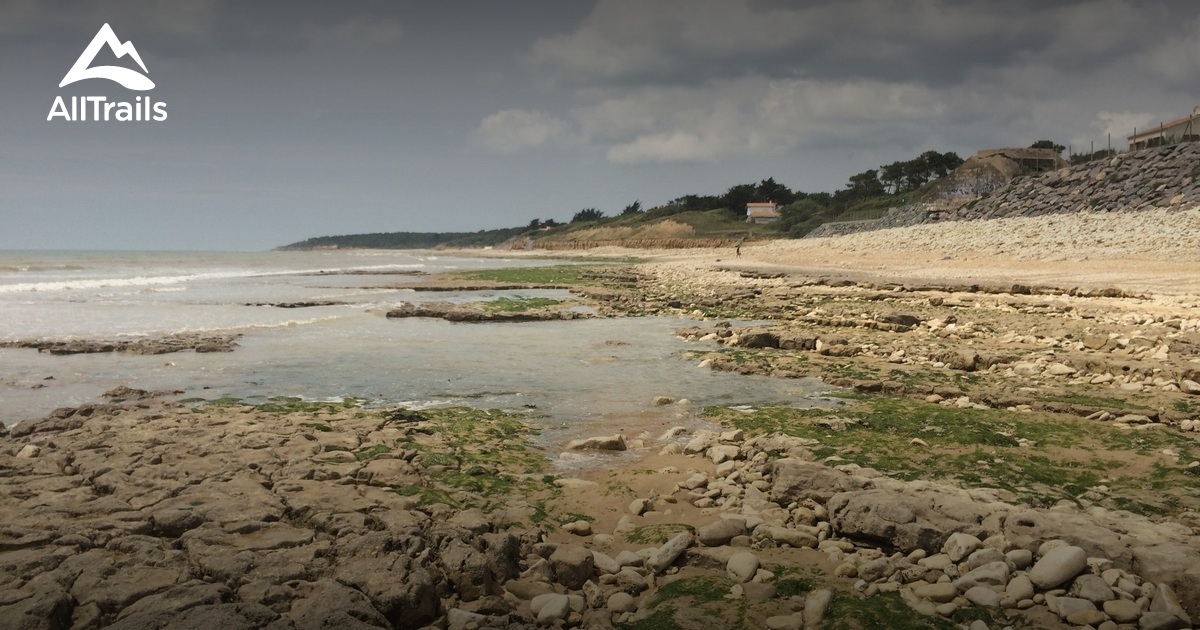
295, 119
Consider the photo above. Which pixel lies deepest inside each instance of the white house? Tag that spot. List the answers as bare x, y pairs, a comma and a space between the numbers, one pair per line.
766, 212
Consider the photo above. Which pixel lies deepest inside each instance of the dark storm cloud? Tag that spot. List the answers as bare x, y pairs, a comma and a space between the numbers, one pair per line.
936, 42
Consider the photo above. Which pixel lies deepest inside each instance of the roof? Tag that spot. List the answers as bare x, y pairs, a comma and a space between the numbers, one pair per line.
1161, 126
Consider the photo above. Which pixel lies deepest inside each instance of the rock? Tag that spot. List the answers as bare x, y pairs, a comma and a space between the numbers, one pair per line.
573, 565
1019, 588
660, 401
329, 604
526, 589
904, 519
1092, 588
1190, 387
601, 443
984, 556
621, 601
1019, 559
29, 451
1086, 618
1060, 369
1122, 610
1154, 620
992, 574
550, 608
785, 536
742, 566
960, 545
758, 591
982, 596
721, 532
665, 555
1165, 601
604, 563
723, 453
458, 619
579, 528
816, 604
637, 507
785, 622
796, 480
629, 559
1058, 566
939, 592
1064, 606
901, 319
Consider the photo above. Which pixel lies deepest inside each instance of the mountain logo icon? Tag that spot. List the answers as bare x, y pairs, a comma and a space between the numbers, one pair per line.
126, 77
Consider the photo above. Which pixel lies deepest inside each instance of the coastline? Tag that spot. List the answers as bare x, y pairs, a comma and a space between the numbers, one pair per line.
290, 514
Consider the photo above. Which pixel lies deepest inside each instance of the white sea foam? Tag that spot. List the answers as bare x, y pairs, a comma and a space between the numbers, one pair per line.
139, 281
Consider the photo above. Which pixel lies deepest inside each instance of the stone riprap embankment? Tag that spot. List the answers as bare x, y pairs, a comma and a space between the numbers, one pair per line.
1167, 177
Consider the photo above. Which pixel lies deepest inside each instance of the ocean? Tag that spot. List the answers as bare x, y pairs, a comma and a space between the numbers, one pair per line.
581, 377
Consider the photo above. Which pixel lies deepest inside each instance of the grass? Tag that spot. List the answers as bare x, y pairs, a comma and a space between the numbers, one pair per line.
885, 611
656, 534
558, 275
980, 448
1094, 401
281, 405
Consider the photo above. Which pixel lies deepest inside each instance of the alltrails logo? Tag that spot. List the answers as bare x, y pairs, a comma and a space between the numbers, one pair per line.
99, 107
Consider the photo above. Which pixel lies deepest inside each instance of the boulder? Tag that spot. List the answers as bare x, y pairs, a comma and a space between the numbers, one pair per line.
1057, 567
904, 519
797, 480
573, 565
665, 555
742, 566
993, 574
599, 443
960, 545
721, 532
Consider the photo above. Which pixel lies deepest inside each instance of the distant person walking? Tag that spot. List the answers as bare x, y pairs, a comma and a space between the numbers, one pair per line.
737, 248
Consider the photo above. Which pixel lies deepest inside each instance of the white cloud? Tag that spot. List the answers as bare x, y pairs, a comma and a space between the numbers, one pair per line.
513, 130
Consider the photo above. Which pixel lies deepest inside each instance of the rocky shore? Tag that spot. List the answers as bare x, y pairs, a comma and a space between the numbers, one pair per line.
157, 514
157, 345
992, 455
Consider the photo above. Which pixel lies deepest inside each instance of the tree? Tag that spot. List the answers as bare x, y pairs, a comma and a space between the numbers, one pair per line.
738, 196
1047, 144
770, 190
534, 224
866, 184
587, 214
633, 208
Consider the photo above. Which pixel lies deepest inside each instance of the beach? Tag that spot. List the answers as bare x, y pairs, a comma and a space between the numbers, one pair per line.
926, 425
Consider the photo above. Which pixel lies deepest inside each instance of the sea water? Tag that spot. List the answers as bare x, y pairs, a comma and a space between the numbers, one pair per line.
574, 377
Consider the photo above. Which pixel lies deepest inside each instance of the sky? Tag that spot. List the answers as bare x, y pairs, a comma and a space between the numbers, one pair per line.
294, 119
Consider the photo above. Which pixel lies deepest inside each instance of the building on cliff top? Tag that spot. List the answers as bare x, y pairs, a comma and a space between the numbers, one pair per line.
767, 212
1186, 129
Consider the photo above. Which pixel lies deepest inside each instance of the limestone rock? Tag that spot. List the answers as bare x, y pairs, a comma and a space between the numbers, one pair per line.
721, 532
960, 545
742, 566
665, 555
600, 443
1057, 567
573, 565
